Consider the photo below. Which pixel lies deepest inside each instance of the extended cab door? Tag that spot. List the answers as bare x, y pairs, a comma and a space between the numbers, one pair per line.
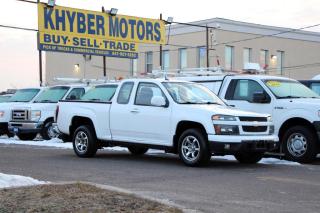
240, 94
134, 119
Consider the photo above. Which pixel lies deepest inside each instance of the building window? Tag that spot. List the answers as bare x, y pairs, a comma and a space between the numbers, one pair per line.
134, 67
183, 58
280, 61
247, 52
264, 59
202, 52
149, 62
229, 57
165, 60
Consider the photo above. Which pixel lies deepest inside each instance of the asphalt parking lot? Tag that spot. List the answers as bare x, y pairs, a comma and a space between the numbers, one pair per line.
223, 186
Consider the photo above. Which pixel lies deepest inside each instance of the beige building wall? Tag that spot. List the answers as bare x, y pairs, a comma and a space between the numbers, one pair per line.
301, 52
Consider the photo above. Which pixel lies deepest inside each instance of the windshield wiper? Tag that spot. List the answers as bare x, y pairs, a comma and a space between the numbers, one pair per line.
94, 99
289, 96
189, 102
209, 102
46, 101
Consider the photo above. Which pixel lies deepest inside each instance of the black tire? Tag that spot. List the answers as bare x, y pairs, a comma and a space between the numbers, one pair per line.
198, 158
10, 135
248, 157
88, 135
27, 136
45, 131
135, 150
65, 138
306, 138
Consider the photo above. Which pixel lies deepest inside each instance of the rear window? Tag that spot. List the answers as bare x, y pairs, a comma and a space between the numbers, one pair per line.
102, 93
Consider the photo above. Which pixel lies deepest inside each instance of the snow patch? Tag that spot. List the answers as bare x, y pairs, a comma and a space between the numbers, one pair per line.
7, 181
269, 161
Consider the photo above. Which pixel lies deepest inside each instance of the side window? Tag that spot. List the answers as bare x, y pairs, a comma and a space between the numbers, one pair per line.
315, 87
244, 89
75, 94
124, 93
145, 92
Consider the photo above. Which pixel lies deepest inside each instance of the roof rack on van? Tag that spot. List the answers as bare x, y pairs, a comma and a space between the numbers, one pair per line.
83, 81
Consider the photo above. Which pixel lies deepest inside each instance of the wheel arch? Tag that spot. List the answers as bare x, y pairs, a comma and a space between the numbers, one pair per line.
181, 127
295, 122
77, 121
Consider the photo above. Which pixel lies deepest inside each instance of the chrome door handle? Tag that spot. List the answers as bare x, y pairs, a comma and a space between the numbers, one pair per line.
134, 111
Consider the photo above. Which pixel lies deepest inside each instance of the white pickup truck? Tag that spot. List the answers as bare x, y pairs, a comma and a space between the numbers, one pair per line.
175, 116
37, 117
295, 109
22, 96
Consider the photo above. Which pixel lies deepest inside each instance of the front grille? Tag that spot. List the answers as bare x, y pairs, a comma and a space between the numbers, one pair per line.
255, 128
19, 115
252, 119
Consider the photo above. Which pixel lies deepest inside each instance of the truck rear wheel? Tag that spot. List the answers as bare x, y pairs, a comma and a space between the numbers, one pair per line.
249, 157
193, 148
299, 143
137, 150
85, 142
27, 136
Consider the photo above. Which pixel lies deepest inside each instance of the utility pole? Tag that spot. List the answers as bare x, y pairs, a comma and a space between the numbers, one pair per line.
207, 45
40, 55
160, 52
104, 57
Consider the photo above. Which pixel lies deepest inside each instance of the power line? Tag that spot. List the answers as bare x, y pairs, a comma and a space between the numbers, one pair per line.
18, 28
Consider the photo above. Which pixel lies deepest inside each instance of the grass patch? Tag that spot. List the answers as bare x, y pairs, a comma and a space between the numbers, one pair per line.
76, 197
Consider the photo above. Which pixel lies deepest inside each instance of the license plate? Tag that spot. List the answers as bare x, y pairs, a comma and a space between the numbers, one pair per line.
15, 130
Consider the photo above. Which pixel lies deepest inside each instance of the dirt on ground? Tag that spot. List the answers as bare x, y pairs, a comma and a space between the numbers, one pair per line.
76, 197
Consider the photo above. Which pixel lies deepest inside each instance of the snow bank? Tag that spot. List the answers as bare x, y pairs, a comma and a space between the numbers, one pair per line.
262, 161
17, 180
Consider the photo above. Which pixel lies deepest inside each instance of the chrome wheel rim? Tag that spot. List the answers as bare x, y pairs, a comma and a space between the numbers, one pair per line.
81, 142
297, 144
51, 132
190, 148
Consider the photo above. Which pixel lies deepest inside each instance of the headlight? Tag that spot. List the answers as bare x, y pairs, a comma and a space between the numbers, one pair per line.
226, 129
224, 118
35, 115
1, 114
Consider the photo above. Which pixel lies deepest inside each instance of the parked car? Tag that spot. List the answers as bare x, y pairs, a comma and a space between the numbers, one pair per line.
295, 109
5, 98
312, 84
37, 117
176, 116
22, 96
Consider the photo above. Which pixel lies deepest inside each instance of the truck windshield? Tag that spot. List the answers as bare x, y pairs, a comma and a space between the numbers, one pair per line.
283, 89
4, 98
101, 93
191, 93
24, 95
52, 95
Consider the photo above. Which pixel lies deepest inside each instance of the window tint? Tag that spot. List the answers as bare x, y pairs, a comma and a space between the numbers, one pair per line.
101, 93
145, 92
124, 93
24, 95
75, 94
316, 87
244, 90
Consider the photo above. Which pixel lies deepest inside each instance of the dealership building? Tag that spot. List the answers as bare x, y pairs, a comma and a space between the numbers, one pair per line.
233, 45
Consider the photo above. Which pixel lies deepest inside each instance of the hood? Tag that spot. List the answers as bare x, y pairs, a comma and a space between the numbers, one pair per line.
224, 110
37, 106
301, 103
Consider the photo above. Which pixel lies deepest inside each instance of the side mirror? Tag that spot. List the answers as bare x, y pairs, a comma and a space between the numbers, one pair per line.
158, 101
259, 97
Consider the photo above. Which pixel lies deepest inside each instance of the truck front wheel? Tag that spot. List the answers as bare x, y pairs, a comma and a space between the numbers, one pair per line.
249, 157
193, 148
85, 142
299, 143
137, 150
48, 131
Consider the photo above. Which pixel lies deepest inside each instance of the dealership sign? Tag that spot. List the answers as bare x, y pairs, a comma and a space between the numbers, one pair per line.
71, 30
